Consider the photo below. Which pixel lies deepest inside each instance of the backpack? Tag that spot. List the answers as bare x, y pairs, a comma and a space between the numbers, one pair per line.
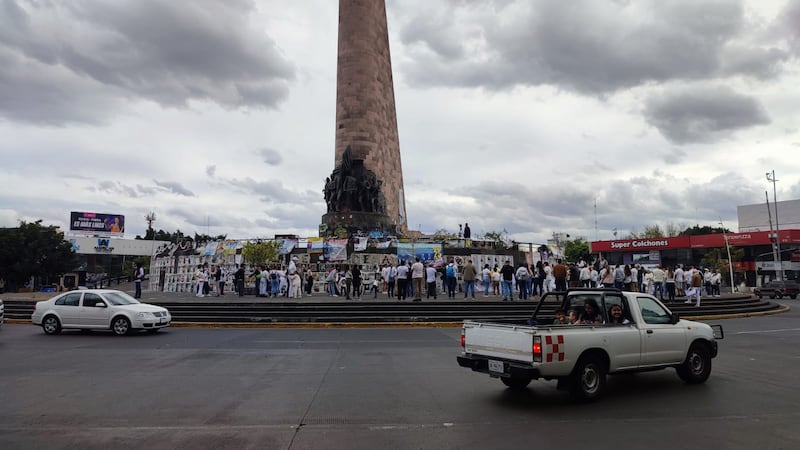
451, 271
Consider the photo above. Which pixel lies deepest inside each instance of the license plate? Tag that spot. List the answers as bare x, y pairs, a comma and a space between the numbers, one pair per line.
162, 321
496, 366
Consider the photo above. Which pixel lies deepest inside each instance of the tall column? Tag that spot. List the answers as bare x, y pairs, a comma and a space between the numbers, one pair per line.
366, 118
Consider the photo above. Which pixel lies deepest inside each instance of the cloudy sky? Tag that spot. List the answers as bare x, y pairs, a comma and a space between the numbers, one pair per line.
218, 115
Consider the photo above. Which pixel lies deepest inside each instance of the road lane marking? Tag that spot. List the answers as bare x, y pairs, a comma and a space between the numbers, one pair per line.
768, 331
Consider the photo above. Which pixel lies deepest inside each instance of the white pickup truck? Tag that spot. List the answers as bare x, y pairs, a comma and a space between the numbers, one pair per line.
580, 355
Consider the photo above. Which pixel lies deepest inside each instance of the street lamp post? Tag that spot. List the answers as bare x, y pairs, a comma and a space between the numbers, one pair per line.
728, 248
779, 269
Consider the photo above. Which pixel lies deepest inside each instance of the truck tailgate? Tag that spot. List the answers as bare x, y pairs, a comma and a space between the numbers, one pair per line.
511, 342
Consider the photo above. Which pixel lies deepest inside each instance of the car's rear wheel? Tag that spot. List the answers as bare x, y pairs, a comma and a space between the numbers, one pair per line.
779, 295
793, 296
51, 325
772, 296
589, 379
758, 294
121, 326
516, 383
696, 368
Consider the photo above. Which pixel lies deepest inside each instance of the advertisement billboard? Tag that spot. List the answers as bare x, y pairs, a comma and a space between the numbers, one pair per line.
97, 223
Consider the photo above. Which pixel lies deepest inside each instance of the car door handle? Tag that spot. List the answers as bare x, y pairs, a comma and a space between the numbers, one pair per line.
649, 331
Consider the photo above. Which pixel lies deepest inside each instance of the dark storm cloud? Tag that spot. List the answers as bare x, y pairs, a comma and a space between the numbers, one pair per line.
270, 156
587, 46
73, 62
174, 187
702, 113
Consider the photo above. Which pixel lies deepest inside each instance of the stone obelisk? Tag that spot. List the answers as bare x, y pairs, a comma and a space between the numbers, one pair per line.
365, 190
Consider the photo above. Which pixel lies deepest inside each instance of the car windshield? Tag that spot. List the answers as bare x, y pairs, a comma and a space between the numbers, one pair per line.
120, 298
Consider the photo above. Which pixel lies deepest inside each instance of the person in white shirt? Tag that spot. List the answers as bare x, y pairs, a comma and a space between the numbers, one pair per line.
200, 277
585, 277
402, 280
430, 279
680, 281
486, 279
716, 280
385, 277
417, 277
593, 276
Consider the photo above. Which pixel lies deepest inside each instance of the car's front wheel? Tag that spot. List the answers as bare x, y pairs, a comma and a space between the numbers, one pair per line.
51, 325
696, 368
121, 326
758, 294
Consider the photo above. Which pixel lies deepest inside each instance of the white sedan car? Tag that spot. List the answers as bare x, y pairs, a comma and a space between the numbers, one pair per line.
99, 309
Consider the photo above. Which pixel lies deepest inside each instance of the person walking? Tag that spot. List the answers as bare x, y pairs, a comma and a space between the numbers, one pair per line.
695, 287
138, 276
469, 275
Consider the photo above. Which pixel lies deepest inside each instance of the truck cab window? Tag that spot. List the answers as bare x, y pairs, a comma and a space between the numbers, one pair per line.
652, 311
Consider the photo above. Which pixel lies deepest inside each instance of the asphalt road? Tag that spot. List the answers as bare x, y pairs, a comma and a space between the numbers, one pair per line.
373, 388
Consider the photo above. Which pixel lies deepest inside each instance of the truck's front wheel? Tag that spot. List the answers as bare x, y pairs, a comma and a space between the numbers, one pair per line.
516, 383
697, 367
589, 379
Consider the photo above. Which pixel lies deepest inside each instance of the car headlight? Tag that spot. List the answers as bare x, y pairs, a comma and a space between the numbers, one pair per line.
145, 315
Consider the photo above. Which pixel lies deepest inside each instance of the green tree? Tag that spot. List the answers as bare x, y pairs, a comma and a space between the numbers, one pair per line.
500, 239
34, 250
443, 235
576, 249
705, 229
260, 252
718, 259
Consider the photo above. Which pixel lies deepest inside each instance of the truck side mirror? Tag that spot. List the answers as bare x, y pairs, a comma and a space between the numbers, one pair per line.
674, 318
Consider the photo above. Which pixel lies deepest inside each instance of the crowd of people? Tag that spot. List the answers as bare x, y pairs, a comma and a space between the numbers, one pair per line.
413, 279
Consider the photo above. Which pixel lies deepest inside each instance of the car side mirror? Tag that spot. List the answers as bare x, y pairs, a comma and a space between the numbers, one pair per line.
100, 305
674, 318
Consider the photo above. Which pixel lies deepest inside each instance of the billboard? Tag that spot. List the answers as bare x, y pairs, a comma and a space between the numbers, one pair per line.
97, 223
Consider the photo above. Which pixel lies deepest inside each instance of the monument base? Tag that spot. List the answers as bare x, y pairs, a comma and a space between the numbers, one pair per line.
349, 223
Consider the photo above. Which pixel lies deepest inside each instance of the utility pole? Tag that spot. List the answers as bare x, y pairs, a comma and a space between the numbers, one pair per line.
779, 269
728, 248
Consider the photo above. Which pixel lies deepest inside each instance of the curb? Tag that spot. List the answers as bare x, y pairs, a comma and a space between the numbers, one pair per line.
781, 310
295, 324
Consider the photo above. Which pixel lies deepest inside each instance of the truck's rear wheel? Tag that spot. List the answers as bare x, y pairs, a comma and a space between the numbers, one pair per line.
589, 379
697, 367
516, 383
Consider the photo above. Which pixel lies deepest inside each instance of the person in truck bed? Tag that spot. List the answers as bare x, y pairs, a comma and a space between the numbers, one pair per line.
560, 319
591, 314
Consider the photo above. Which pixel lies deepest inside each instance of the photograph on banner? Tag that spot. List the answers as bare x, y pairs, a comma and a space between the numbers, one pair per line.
316, 245
492, 260
361, 243
426, 252
231, 247
286, 246
335, 250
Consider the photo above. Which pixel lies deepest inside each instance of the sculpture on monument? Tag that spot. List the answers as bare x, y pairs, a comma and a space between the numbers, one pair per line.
352, 187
